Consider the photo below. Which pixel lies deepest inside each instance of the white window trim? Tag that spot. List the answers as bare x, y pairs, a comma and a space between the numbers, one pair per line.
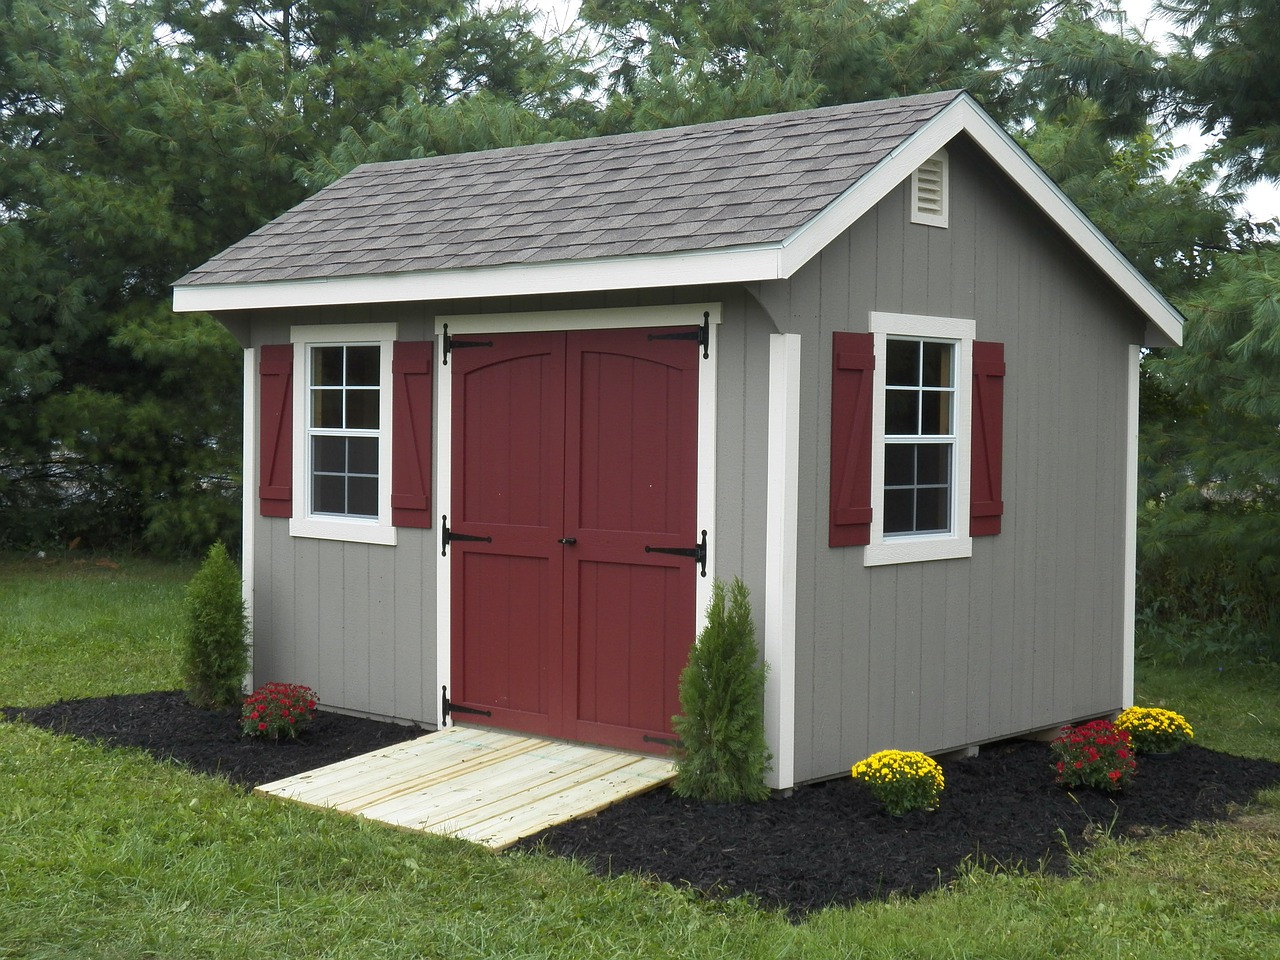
938, 546
303, 523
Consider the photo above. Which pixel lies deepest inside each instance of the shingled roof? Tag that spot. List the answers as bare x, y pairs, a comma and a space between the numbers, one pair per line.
734, 201
729, 184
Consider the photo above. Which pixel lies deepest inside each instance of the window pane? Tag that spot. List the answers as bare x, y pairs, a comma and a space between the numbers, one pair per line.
898, 508
329, 494
932, 509
935, 415
362, 366
326, 409
362, 455
362, 496
326, 366
899, 465
937, 364
933, 463
362, 410
329, 454
901, 412
902, 367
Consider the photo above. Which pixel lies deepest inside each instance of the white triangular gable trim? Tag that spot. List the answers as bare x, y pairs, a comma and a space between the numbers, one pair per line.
724, 265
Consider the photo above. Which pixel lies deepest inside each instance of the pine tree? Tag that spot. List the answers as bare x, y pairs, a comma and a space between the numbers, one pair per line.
724, 754
216, 633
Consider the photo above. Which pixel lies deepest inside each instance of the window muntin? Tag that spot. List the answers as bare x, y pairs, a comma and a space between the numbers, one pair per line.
344, 384
919, 437
342, 428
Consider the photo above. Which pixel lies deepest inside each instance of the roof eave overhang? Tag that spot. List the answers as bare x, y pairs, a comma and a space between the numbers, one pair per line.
726, 265
723, 265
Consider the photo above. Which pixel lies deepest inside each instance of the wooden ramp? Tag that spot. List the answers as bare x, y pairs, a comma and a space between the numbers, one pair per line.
487, 786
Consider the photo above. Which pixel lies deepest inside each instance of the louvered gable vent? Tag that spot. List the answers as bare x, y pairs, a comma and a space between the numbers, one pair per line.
929, 198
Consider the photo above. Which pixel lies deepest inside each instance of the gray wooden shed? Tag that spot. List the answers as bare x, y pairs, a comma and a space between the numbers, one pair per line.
508, 414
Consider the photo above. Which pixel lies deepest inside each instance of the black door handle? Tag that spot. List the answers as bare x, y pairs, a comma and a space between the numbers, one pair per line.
568, 541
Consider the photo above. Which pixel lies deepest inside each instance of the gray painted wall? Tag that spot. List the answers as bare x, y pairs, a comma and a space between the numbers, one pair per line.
1028, 633
1025, 634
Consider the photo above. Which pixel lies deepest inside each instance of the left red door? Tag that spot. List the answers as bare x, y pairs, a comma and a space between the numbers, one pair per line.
508, 477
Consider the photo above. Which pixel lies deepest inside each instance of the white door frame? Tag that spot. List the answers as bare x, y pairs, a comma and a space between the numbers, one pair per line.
615, 318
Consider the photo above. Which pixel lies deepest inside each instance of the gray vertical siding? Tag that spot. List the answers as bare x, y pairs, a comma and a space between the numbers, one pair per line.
355, 621
1028, 632
1025, 634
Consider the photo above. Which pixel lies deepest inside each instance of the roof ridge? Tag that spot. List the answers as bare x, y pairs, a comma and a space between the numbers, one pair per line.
788, 118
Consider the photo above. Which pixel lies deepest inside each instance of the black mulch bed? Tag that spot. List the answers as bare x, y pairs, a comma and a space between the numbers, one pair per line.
827, 844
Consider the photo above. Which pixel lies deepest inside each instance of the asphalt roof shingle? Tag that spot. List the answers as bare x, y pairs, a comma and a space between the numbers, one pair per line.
680, 190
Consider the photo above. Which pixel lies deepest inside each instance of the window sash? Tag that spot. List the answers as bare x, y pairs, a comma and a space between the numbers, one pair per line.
936, 524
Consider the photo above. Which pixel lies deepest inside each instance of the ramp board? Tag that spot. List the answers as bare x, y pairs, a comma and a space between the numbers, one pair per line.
487, 786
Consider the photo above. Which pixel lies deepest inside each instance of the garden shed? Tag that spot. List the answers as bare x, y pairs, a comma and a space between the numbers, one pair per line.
508, 413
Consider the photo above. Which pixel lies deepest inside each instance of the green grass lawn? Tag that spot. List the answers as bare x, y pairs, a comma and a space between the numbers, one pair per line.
106, 853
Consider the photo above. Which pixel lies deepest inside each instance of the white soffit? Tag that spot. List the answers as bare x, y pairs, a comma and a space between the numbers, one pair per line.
724, 265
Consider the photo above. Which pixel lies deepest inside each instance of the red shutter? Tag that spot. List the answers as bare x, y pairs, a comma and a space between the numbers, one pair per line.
852, 362
411, 370
985, 505
275, 430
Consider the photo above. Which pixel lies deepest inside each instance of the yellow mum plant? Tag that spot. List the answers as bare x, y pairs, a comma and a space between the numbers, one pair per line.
902, 780
1153, 730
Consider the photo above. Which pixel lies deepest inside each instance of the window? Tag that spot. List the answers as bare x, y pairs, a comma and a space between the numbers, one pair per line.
917, 422
344, 386
342, 422
919, 437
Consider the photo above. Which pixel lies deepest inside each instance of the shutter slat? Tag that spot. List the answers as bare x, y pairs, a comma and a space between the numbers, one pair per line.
275, 430
411, 413
853, 360
987, 460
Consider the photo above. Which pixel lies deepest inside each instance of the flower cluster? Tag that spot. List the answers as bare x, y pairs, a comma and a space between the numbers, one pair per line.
276, 709
1152, 730
902, 780
1094, 754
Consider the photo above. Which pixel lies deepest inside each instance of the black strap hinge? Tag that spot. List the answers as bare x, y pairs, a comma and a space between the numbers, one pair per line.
453, 343
698, 552
702, 335
446, 535
447, 707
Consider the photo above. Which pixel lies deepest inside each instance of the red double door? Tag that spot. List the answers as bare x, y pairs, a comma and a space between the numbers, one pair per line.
573, 452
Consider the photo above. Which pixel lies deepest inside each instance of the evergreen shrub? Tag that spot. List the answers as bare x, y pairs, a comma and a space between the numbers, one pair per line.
216, 633
724, 756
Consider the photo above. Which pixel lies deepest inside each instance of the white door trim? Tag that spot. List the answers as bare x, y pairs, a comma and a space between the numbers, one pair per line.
619, 318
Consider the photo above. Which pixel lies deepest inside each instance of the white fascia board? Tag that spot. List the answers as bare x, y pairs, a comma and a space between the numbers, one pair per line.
1164, 327
730, 265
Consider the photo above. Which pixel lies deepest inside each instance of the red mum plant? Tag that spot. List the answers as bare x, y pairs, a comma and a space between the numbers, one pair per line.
277, 709
1094, 754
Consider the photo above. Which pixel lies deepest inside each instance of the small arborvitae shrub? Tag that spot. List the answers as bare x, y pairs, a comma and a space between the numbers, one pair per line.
1153, 730
724, 756
277, 709
1094, 754
216, 633
902, 780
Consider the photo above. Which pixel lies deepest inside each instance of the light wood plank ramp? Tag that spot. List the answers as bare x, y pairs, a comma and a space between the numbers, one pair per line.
486, 786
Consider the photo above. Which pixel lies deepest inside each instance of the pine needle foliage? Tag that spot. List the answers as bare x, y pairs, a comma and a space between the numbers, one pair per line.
215, 633
724, 755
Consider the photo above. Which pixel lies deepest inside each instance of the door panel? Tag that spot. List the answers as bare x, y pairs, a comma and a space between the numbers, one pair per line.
508, 472
574, 452
630, 482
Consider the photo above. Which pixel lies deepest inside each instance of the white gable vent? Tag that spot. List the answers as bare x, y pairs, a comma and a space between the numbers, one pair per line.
929, 199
